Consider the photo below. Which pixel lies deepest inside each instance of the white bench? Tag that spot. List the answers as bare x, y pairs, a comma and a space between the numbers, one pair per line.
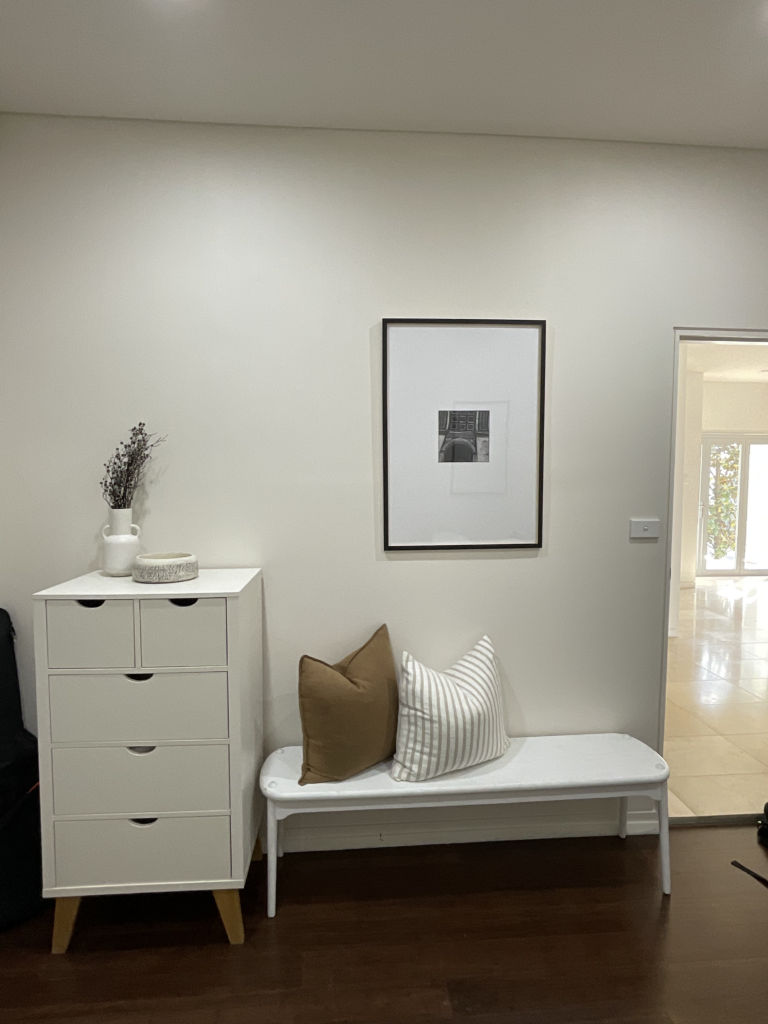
533, 769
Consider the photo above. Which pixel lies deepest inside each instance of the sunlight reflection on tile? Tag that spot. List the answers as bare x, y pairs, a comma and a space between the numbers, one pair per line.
759, 687
677, 809
688, 672
713, 691
754, 669
692, 647
721, 636
708, 755
754, 650
735, 719
723, 794
724, 662
755, 744
682, 722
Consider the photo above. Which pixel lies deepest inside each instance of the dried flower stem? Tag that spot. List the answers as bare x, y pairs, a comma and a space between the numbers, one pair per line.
125, 468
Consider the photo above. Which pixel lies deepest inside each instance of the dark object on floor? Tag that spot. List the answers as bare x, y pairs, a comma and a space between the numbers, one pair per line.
20, 864
18, 748
749, 871
21, 876
762, 829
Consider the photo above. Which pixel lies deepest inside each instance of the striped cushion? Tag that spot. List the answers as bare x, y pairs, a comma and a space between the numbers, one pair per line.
451, 719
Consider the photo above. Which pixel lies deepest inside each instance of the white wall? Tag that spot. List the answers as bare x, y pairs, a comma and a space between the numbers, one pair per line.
226, 285
735, 407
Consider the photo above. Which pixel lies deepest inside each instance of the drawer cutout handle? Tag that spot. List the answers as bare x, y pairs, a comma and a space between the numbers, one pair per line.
143, 822
91, 604
139, 677
141, 750
183, 602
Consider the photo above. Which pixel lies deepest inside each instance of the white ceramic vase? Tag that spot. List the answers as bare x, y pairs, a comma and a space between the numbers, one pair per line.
121, 543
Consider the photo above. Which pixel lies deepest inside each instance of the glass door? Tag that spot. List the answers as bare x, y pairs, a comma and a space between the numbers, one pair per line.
756, 525
733, 508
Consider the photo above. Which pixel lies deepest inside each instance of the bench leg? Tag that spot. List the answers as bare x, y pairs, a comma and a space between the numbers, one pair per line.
623, 804
271, 858
663, 804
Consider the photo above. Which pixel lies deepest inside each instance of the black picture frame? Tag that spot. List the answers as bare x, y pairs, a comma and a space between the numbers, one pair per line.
389, 324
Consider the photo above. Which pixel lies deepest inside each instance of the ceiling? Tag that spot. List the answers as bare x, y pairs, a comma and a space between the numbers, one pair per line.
678, 71
733, 363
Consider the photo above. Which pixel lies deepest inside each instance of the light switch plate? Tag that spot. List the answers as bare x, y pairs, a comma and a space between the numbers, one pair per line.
644, 529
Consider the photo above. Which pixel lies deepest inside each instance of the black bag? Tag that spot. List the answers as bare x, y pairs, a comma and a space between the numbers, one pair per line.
21, 884
20, 859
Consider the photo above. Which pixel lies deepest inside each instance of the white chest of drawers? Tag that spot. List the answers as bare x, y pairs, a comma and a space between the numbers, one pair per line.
150, 733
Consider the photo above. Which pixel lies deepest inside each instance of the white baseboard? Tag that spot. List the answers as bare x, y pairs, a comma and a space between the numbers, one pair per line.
643, 823
360, 831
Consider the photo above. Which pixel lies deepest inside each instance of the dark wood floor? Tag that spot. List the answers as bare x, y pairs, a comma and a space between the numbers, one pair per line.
563, 931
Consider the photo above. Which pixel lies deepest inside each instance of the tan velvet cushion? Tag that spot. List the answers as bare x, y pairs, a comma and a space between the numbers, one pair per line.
348, 711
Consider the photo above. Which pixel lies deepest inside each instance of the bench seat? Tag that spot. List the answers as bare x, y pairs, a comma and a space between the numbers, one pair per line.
533, 769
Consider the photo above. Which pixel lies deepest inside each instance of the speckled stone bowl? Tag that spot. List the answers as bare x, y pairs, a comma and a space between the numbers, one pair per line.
166, 567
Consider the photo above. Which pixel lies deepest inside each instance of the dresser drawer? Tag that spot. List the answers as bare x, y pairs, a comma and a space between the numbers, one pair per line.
142, 706
183, 632
118, 851
90, 634
140, 780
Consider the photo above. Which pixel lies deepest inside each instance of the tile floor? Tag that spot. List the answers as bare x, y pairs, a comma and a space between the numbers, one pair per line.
716, 736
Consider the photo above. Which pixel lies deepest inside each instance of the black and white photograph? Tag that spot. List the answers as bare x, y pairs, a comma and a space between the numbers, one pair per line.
463, 436
463, 424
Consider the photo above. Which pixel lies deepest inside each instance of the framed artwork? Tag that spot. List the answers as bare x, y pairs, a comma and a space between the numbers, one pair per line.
463, 433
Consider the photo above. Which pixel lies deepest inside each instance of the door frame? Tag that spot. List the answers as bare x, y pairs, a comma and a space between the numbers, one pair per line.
696, 336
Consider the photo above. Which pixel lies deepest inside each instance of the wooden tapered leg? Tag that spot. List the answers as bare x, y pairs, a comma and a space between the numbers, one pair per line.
228, 902
258, 853
64, 918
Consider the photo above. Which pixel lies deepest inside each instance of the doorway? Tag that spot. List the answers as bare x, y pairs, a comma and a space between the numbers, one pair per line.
716, 696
